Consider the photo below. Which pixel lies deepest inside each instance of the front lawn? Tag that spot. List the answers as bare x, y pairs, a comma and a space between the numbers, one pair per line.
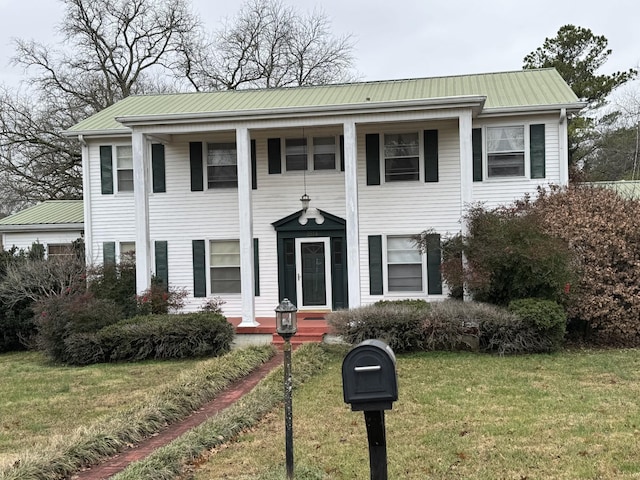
563, 416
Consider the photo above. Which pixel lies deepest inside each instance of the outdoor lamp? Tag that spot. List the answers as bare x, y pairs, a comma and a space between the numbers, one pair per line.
286, 318
286, 326
305, 200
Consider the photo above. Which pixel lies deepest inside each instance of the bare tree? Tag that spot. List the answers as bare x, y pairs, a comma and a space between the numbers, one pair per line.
115, 48
268, 45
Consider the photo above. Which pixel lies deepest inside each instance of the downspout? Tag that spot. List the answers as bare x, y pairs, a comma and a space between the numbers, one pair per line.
563, 147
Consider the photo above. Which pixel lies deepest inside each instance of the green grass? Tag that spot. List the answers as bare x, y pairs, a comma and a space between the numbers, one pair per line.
140, 399
39, 400
564, 416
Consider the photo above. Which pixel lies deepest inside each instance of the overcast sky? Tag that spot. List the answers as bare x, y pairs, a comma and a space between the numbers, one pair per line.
402, 38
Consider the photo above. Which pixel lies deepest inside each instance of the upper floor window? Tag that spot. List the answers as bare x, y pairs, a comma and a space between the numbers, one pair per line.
313, 153
124, 159
401, 157
505, 151
222, 165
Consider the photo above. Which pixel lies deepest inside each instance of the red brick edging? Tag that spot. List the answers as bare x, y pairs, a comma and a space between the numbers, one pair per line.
228, 396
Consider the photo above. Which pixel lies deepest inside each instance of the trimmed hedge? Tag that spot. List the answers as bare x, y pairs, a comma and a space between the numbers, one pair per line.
153, 337
528, 326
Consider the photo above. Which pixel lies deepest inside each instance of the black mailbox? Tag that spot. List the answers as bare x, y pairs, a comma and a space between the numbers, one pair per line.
369, 379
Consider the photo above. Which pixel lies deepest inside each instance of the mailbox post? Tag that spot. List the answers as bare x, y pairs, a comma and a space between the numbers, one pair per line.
370, 384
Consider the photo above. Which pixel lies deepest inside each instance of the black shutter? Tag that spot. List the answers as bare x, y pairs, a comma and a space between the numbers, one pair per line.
254, 166
375, 265
195, 159
434, 255
537, 150
274, 155
199, 269
256, 268
106, 169
476, 145
431, 155
372, 148
158, 168
342, 153
109, 253
162, 263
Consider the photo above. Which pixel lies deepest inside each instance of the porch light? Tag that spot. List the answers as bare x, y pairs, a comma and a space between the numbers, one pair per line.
305, 200
286, 319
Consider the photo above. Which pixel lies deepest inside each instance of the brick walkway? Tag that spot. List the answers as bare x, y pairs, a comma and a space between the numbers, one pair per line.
118, 463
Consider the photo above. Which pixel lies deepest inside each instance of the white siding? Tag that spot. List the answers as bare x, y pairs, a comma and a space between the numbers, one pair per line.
180, 216
24, 240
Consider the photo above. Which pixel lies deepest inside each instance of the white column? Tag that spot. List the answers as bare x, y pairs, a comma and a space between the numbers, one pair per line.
86, 201
353, 218
466, 161
465, 126
140, 150
243, 145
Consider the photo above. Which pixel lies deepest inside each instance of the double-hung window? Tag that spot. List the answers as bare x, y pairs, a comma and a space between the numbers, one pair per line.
225, 266
404, 265
505, 151
222, 165
59, 250
124, 160
324, 153
313, 153
401, 156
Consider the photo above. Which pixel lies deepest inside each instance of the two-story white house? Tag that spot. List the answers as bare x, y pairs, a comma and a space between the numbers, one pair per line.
207, 187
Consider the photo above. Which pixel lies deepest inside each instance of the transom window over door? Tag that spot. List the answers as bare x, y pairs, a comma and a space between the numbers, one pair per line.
222, 165
505, 151
404, 265
124, 159
401, 157
225, 266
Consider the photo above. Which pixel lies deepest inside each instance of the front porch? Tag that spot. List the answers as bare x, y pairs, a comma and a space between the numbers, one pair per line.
312, 327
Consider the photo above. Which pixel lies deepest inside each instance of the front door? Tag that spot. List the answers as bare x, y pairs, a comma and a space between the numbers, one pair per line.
313, 273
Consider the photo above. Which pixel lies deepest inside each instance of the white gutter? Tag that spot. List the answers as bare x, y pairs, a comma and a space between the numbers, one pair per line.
565, 107
473, 101
42, 227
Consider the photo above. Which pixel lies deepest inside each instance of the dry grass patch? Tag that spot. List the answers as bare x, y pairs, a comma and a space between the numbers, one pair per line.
563, 416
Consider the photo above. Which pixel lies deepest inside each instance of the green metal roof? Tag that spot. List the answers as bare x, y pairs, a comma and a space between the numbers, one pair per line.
50, 212
521, 89
629, 189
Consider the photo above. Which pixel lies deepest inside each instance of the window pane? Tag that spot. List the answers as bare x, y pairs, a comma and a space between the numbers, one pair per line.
405, 278
325, 161
505, 139
125, 180
397, 169
224, 253
54, 250
222, 154
401, 145
125, 156
296, 154
222, 177
127, 247
505, 165
225, 280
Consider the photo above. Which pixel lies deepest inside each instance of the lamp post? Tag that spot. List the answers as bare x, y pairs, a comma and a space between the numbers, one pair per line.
286, 326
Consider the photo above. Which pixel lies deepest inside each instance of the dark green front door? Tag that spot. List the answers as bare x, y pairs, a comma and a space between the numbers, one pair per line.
313, 272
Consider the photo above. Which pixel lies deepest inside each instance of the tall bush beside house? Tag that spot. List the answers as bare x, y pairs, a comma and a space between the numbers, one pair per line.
116, 282
603, 229
509, 256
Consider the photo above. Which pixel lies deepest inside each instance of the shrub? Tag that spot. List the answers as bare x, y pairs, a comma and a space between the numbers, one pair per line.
546, 317
603, 230
156, 337
530, 326
58, 318
116, 282
397, 324
417, 304
158, 299
509, 256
